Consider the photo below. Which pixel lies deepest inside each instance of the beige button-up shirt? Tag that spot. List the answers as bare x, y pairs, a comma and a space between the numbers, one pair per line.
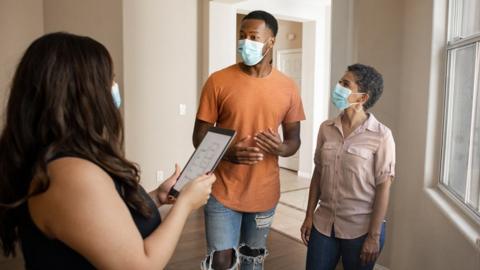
348, 170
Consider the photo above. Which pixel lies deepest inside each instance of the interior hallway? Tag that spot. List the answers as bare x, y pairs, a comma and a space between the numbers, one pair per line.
290, 211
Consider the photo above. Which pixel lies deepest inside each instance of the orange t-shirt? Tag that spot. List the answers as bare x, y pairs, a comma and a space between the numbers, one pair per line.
232, 99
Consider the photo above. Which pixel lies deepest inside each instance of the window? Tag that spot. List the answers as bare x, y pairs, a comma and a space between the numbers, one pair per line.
461, 134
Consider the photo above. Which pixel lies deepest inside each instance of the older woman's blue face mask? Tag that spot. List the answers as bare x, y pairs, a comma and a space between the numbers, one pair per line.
345, 94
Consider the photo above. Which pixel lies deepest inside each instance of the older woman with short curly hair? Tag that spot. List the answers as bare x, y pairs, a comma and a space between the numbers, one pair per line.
354, 168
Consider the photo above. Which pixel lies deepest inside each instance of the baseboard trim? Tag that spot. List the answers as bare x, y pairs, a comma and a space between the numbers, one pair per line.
380, 267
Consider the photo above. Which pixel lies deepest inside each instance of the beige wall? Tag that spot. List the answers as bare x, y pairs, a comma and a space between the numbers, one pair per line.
377, 42
101, 20
420, 226
161, 41
21, 22
396, 37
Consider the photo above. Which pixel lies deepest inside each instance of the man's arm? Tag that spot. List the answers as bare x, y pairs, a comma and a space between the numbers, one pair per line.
199, 131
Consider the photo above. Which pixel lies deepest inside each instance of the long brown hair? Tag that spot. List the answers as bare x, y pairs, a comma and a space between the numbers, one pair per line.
60, 102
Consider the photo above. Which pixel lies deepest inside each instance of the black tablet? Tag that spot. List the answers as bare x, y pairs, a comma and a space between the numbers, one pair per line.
206, 157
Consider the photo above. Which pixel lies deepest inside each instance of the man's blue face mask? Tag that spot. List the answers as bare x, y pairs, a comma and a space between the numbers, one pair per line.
251, 51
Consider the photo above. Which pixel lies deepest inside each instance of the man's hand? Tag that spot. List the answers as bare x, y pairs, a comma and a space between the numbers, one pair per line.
270, 142
241, 153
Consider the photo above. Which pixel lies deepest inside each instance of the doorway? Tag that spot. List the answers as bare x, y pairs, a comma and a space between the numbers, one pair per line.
307, 62
287, 58
289, 62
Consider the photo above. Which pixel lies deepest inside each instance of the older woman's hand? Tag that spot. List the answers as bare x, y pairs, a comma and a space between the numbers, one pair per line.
306, 229
370, 249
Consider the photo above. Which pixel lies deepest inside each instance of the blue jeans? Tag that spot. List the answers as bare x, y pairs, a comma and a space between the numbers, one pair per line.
228, 229
324, 252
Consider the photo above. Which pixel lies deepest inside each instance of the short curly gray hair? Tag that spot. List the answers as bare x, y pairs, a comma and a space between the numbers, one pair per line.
369, 81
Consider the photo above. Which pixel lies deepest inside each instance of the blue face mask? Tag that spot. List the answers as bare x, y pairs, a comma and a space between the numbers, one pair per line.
117, 99
250, 51
340, 96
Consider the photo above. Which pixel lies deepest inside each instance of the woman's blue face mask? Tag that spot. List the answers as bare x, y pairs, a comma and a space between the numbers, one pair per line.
117, 99
340, 96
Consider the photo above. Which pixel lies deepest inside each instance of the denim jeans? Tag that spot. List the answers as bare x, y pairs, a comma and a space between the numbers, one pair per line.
229, 229
324, 252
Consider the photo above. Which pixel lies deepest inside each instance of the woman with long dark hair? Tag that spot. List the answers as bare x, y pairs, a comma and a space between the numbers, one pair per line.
67, 193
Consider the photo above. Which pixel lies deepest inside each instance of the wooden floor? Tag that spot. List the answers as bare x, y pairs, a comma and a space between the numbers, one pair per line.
285, 253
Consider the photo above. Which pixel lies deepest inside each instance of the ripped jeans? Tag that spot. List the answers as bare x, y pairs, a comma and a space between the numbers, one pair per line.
228, 229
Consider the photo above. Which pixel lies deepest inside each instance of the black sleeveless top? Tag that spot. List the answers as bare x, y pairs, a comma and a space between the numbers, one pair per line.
41, 252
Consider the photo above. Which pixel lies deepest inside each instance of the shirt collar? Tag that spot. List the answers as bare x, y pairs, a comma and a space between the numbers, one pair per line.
371, 123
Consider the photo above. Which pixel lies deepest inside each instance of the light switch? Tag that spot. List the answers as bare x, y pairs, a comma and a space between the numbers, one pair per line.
182, 110
159, 176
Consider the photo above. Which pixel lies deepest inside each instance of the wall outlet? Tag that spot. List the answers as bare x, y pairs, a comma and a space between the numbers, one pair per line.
160, 176
182, 109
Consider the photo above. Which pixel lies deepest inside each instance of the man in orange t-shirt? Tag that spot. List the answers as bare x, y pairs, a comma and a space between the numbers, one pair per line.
254, 99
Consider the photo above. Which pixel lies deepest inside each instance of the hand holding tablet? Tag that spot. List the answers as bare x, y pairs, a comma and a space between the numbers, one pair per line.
206, 157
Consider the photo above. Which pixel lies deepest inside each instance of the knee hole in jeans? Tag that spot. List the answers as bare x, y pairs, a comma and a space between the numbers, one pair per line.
223, 259
251, 255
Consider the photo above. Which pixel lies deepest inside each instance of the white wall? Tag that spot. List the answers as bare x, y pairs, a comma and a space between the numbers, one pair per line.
222, 33
315, 86
342, 43
161, 46
396, 37
21, 22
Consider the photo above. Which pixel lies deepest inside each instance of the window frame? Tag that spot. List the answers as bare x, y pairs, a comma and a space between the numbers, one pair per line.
454, 42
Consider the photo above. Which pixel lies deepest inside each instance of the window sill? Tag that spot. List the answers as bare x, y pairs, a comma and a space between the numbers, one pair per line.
467, 223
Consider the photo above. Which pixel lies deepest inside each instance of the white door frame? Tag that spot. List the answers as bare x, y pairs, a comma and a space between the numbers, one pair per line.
220, 27
292, 162
284, 51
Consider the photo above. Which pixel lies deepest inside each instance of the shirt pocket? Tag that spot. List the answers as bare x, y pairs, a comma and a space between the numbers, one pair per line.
328, 153
359, 160
360, 152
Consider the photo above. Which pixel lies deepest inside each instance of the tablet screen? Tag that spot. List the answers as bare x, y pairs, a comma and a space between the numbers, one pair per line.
207, 155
